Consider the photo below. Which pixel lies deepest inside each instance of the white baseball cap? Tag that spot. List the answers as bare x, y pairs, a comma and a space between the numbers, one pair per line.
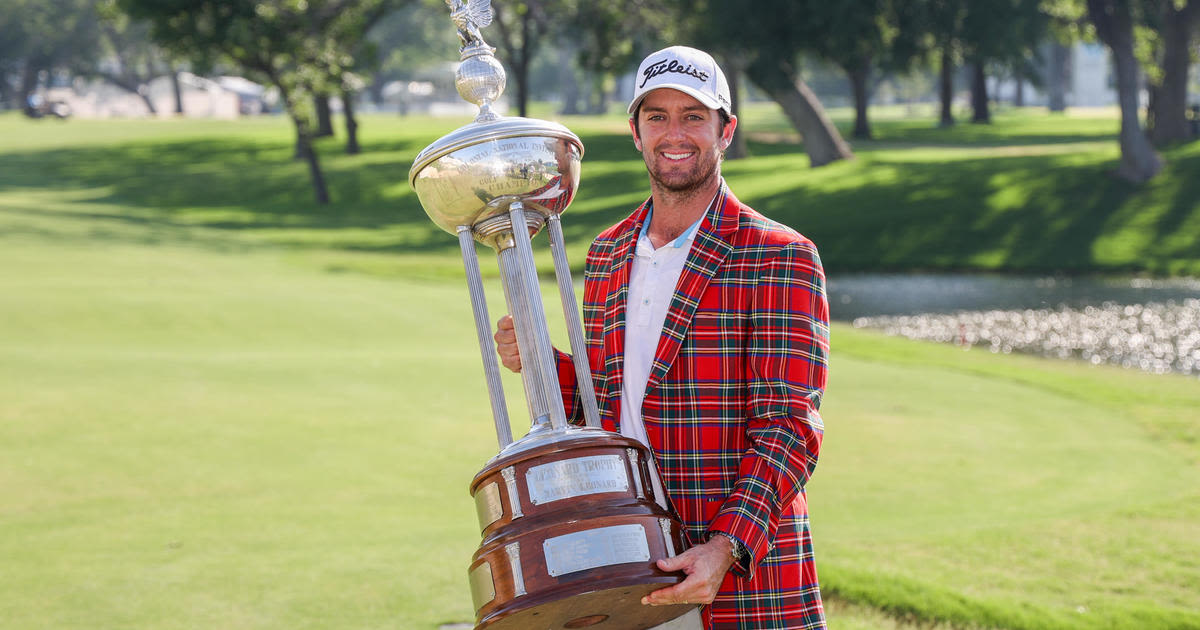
693, 72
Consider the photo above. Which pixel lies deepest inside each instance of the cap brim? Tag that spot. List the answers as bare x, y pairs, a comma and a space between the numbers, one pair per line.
705, 99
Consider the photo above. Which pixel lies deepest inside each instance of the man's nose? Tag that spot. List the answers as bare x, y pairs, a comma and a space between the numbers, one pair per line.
674, 129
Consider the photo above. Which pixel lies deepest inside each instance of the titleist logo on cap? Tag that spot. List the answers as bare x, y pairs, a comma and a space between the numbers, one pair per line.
662, 67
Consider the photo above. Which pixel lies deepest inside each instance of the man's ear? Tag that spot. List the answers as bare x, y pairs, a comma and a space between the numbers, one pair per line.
637, 142
727, 132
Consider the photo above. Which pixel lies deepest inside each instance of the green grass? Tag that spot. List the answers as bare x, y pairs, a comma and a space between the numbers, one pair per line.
222, 406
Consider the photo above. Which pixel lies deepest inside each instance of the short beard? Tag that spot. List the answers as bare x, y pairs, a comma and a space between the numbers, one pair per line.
687, 184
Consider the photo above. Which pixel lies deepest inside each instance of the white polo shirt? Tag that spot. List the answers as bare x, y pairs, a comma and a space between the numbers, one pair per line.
652, 281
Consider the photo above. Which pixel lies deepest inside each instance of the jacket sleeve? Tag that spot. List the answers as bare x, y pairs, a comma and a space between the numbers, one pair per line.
569, 386
786, 363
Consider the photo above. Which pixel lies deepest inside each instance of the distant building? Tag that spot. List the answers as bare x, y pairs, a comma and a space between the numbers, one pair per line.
1091, 82
221, 97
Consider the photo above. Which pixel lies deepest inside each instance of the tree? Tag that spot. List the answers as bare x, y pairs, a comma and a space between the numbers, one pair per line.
765, 44
416, 35
1177, 21
863, 38
132, 60
41, 36
769, 42
1002, 34
298, 46
610, 38
521, 27
943, 21
1114, 23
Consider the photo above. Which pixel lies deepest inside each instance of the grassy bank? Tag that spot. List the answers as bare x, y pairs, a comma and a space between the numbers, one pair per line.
1028, 194
208, 418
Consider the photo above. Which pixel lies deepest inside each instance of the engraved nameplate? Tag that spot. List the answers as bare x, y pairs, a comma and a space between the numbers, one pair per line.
576, 477
487, 504
483, 589
593, 548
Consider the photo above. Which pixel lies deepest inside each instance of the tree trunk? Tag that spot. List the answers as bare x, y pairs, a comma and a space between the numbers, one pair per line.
1114, 26
29, 84
518, 41
7, 94
523, 66
568, 82
946, 90
145, 94
858, 85
980, 112
522, 94
304, 147
324, 116
305, 150
1169, 108
1019, 95
352, 147
737, 149
177, 89
822, 141
1056, 79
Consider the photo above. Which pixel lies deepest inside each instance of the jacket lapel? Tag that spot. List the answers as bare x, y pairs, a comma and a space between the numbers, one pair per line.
614, 311
709, 250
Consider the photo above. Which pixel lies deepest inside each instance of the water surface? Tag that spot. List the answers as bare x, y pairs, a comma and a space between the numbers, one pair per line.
1151, 325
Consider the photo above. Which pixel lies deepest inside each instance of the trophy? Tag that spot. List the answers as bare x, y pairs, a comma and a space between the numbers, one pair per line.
571, 521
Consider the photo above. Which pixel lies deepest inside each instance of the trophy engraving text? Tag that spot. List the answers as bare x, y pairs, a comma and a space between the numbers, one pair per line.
593, 548
575, 477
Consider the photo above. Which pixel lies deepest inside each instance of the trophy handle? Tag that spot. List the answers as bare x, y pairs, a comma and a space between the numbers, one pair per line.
483, 330
538, 371
566, 290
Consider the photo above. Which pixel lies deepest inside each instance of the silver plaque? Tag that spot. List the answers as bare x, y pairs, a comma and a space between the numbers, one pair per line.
483, 589
575, 477
593, 548
487, 504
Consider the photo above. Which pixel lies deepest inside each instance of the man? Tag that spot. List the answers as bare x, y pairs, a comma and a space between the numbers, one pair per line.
707, 330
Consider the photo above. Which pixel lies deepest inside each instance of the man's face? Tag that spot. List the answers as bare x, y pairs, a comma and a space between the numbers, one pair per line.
680, 139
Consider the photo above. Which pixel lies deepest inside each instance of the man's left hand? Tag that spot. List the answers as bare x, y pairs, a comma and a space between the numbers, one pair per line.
705, 566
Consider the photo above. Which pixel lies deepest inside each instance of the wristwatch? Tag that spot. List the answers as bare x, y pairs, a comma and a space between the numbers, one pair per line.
735, 548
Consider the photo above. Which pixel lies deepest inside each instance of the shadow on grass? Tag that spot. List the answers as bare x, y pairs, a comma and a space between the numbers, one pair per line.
954, 216
1033, 213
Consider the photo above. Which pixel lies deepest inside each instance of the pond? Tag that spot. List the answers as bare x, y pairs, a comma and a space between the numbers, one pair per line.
1147, 324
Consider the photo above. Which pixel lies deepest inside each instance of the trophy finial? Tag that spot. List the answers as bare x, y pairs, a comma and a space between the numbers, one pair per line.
469, 17
480, 78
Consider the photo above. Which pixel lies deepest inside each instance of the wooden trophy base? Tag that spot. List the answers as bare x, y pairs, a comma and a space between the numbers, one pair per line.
571, 535
614, 608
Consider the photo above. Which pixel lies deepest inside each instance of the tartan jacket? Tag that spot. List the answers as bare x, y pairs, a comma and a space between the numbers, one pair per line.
731, 407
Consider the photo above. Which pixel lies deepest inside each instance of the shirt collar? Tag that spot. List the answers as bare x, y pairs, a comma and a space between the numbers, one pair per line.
688, 234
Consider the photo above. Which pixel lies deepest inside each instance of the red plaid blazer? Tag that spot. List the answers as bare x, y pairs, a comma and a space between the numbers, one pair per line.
731, 403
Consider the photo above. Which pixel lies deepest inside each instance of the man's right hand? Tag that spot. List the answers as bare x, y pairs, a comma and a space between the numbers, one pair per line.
506, 343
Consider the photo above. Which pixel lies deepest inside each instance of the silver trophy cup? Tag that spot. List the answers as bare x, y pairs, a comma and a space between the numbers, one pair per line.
570, 522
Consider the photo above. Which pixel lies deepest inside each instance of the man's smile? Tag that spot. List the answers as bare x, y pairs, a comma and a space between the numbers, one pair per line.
678, 156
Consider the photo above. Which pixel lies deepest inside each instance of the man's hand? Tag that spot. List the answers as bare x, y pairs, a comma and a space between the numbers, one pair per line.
506, 343
705, 566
